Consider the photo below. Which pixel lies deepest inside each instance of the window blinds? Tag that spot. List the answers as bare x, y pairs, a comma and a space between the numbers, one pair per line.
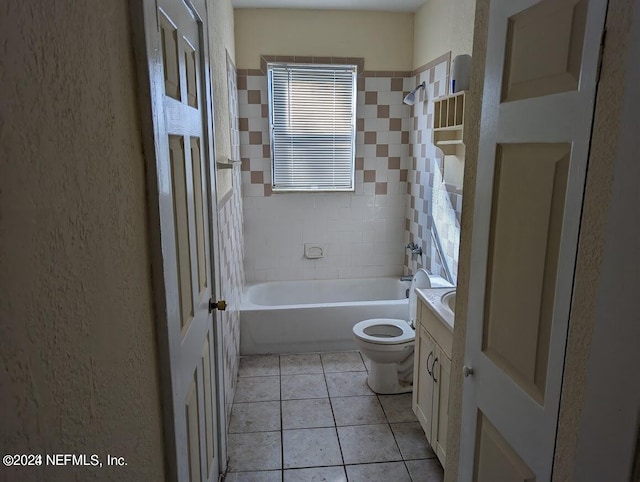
312, 112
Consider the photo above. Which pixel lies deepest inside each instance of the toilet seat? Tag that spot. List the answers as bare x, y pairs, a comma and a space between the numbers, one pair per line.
384, 331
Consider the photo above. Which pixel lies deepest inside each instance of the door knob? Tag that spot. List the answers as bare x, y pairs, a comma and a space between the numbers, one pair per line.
220, 305
466, 371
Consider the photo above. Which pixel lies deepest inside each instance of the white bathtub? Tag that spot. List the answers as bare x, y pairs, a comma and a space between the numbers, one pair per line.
315, 315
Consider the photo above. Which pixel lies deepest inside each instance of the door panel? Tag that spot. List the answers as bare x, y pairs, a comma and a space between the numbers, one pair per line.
169, 34
190, 61
544, 49
200, 208
529, 184
193, 431
496, 459
181, 223
538, 98
209, 406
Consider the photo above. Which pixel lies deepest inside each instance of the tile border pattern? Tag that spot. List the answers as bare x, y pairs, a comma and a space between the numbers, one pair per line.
431, 201
376, 114
394, 149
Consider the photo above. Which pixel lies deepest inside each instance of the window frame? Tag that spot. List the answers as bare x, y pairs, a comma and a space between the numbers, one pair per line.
353, 109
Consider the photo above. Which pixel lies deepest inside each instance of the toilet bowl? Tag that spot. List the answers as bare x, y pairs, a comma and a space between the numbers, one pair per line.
388, 344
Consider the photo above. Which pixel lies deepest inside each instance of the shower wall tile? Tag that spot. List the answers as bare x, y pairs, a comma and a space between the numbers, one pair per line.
433, 207
362, 232
399, 193
231, 238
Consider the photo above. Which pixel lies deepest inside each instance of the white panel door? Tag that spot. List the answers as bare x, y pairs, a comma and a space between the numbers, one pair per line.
178, 67
537, 109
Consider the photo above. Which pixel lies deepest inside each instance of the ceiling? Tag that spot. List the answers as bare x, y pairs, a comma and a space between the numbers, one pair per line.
379, 5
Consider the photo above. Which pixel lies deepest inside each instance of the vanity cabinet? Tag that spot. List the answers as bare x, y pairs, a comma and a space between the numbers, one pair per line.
431, 376
423, 384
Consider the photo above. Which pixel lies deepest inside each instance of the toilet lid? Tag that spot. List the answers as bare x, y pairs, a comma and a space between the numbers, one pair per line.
384, 331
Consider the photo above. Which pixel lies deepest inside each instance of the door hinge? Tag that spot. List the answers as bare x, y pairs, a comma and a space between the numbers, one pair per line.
220, 305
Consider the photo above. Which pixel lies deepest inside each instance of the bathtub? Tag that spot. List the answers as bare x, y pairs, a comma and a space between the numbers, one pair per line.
315, 315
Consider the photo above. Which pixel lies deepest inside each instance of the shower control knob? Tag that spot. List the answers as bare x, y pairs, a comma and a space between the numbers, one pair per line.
467, 371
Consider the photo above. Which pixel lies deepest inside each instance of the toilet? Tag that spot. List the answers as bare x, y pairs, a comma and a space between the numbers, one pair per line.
388, 343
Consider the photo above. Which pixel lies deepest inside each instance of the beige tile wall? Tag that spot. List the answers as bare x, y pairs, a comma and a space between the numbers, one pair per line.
433, 206
398, 185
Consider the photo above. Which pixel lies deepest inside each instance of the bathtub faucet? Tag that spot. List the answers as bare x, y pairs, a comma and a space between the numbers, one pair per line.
415, 249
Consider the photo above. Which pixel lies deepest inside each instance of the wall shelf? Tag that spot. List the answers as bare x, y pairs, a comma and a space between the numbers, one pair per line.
449, 143
448, 134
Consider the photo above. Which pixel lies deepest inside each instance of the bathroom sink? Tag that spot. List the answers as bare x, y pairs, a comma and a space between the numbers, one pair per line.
449, 300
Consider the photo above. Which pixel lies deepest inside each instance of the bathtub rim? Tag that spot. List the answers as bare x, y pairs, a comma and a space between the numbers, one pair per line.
247, 305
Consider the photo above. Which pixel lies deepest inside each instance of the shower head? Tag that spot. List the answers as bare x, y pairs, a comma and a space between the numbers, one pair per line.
410, 98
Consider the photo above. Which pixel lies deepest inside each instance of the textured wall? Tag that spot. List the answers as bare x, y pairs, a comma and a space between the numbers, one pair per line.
383, 39
77, 339
592, 240
441, 26
221, 42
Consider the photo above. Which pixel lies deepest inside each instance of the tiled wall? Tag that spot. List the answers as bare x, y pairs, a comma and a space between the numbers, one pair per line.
399, 189
362, 232
231, 254
432, 204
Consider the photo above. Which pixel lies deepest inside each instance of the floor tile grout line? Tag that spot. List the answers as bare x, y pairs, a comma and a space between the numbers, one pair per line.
334, 465
389, 423
406, 467
331, 400
282, 429
335, 425
399, 449
281, 421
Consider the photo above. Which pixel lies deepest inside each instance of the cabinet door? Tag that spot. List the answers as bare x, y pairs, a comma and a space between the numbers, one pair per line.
441, 377
423, 388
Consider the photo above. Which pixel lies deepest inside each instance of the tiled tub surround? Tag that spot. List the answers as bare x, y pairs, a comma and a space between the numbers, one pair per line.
363, 231
398, 190
232, 282
304, 417
431, 200
231, 254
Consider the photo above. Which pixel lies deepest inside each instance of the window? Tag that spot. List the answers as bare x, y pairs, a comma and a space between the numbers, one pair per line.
312, 110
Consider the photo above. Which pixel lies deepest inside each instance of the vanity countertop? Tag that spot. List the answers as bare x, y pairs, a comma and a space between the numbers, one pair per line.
432, 297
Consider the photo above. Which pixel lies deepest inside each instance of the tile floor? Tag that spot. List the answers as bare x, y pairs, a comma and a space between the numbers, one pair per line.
312, 417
